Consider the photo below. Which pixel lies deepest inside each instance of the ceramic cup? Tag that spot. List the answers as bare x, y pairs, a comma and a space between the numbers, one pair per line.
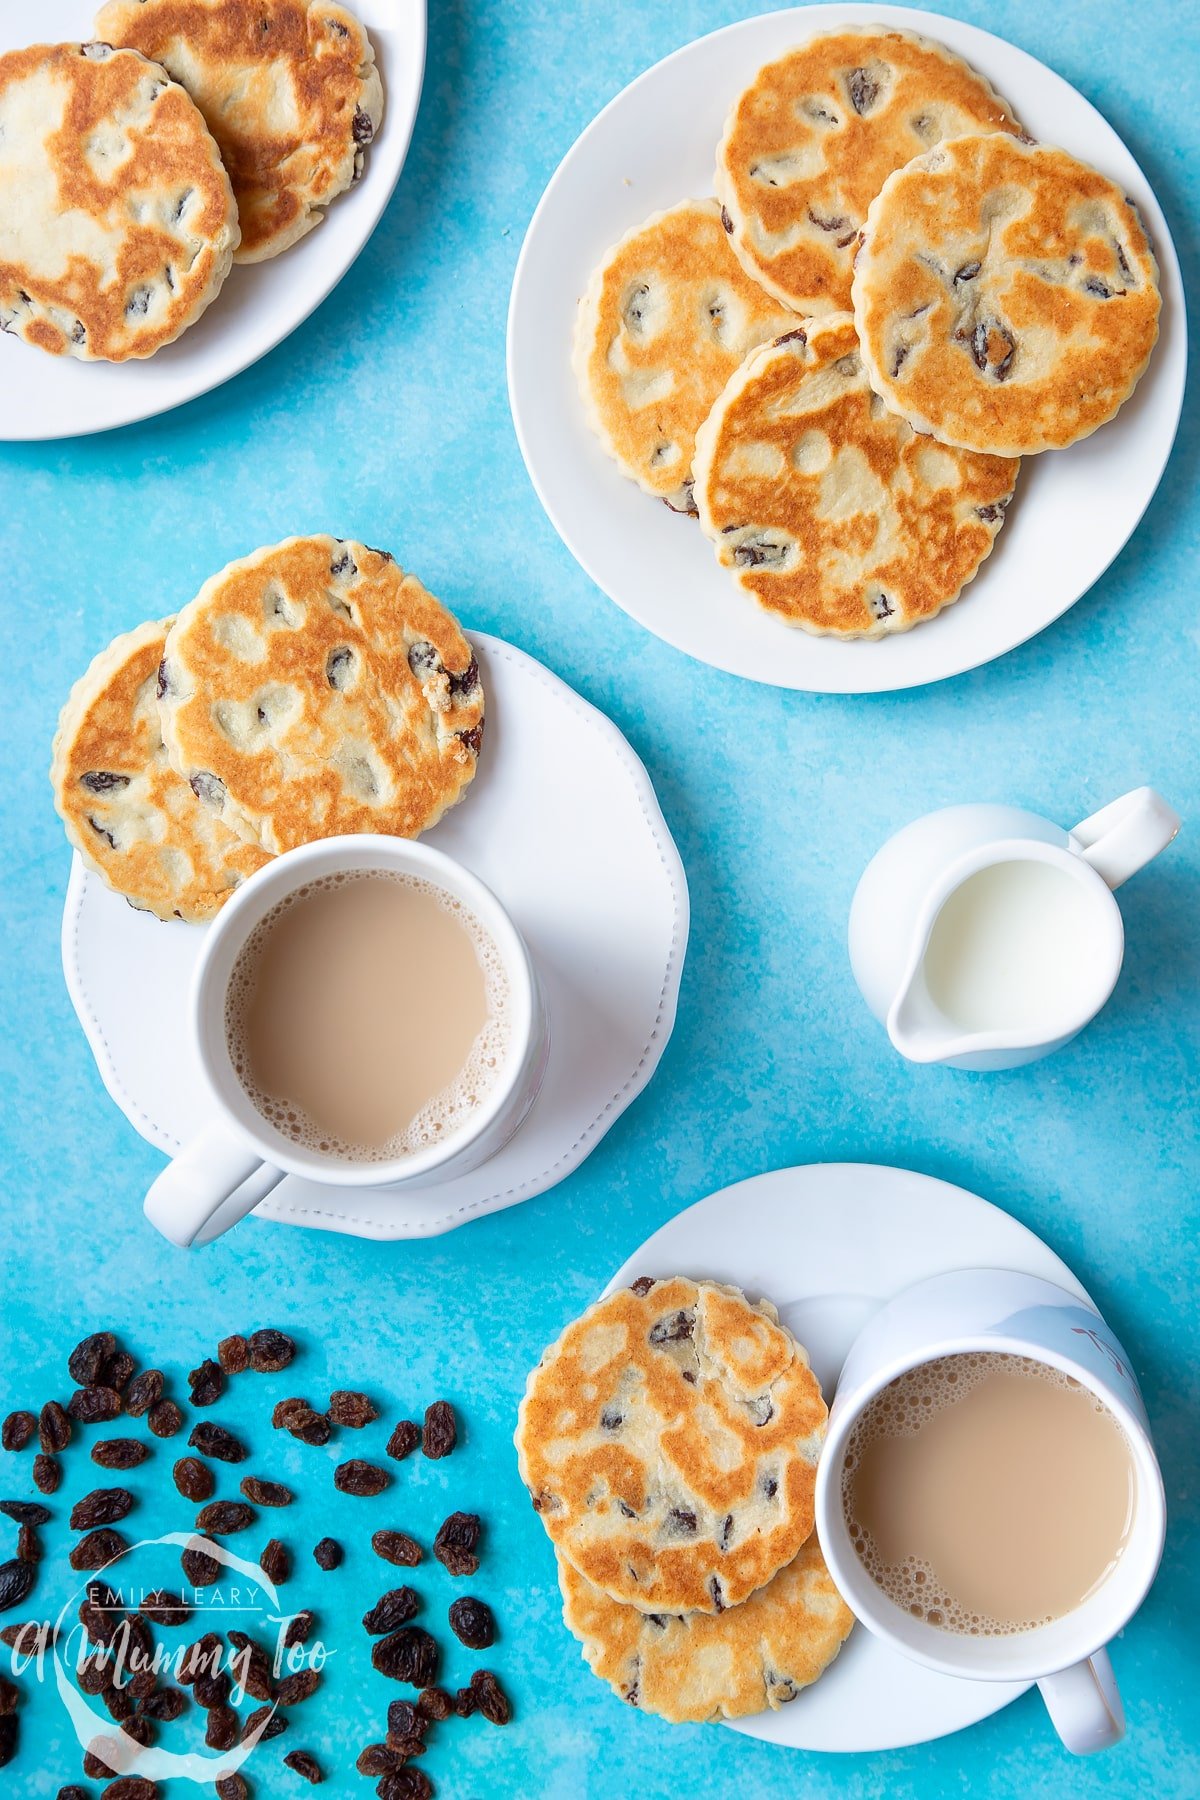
241, 1156
1019, 1315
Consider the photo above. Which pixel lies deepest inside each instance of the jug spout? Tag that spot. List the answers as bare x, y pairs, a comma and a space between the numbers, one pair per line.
918, 1028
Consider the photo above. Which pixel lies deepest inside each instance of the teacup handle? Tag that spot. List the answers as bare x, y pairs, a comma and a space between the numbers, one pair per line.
1085, 1705
215, 1181
1122, 837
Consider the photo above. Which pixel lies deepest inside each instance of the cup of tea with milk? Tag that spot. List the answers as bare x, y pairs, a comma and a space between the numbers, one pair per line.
366, 1014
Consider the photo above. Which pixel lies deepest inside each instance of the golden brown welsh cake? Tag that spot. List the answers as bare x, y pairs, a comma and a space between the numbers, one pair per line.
667, 317
827, 509
1006, 295
117, 221
704, 1666
669, 1440
290, 91
131, 817
810, 142
314, 688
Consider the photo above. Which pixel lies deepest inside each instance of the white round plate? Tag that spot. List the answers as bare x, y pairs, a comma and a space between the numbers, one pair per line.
829, 1243
654, 145
562, 823
260, 304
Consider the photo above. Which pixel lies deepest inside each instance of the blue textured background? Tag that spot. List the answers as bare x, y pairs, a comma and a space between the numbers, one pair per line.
385, 417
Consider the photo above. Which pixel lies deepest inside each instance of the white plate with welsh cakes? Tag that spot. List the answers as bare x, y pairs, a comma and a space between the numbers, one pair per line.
44, 396
829, 1244
562, 823
654, 145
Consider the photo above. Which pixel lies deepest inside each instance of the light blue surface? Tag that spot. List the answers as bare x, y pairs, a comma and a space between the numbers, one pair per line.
385, 417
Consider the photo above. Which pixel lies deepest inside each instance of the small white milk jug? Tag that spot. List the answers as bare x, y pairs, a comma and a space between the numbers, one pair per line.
984, 937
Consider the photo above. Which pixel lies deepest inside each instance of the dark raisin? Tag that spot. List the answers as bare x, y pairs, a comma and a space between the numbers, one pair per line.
404, 1439
194, 1479
120, 1453
362, 126
328, 1553
16, 1579
207, 787
681, 1522
233, 1354
206, 1383
472, 1623
94, 1763
165, 1704
232, 1787
862, 89
47, 1473
221, 1732
222, 1518
201, 1658
346, 1407
98, 1549
103, 1506
434, 1703
165, 1608
361, 1478
17, 1430
214, 1440
119, 1702
490, 1697
406, 1722
338, 666
10, 1733
270, 1351
397, 1547
286, 1410
405, 1784
116, 1371
673, 1328
165, 1419
266, 1493
94, 1405
305, 1765
29, 1545
54, 1428
276, 1562
464, 1702
28, 1637
454, 1545
72, 1791
295, 1688
86, 1359
298, 1630
144, 1391
390, 1611
25, 1512
473, 738
440, 1433
377, 1759
410, 1655
266, 1722
212, 1690
9, 1696
251, 1667
201, 1569
310, 1427
94, 1677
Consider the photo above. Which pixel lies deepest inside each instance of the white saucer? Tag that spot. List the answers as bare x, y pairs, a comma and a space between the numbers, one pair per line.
260, 303
654, 145
562, 822
829, 1243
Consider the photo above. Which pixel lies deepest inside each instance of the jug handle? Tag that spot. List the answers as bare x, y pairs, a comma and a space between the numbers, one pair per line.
1122, 837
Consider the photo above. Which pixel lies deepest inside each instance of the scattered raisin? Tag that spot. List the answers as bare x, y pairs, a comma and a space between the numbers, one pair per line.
377, 1759
201, 1569
29, 1545
130, 1787
276, 1562
407, 1725
98, 1549
233, 1354
272, 1723
305, 1765
16, 1579
390, 1611
72, 1791
165, 1419
251, 1666
222, 1518
299, 1630
54, 1428
232, 1787
410, 1655
440, 1433
472, 1623
194, 1479
309, 1426
165, 1608
351, 1409
434, 1702
25, 1512
28, 1637
214, 1440
221, 1733
454, 1545
94, 1405
103, 1506
119, 1702
266, 1493
360, 1478
201, 1658
405, 1784
328, 1553
270, 1351
93, 1758
17, 1430
165, 1704
286, 1410
490, 1697
404, 1439
397, 1547
206, 1383
86, 1359
116, 1371
120, 1453
212, 1690
295, 1688
9, 1734
47, 1473
144, 1392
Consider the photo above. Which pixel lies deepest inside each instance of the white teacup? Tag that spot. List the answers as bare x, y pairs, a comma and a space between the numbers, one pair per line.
241, 1156
994, 1310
